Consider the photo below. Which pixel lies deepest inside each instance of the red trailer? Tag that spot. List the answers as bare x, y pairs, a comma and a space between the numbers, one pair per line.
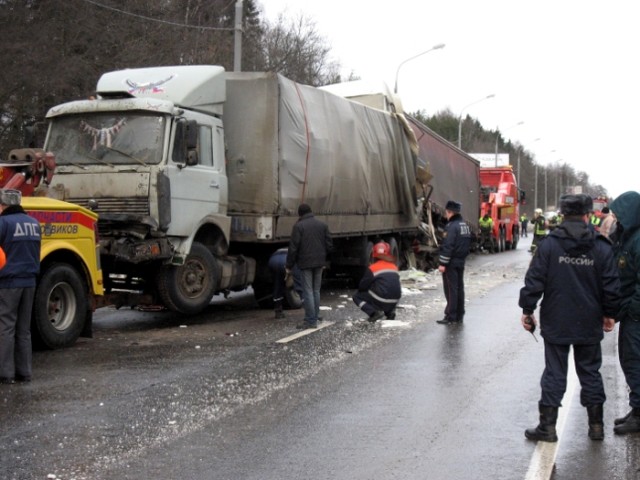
456, 174
500, 198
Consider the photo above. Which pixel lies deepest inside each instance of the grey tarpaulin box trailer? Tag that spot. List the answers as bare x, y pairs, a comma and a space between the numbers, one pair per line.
289, 143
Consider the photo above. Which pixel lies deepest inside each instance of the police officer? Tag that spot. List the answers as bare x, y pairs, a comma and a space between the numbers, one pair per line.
574, 272
20, 239
627, 248
453, 254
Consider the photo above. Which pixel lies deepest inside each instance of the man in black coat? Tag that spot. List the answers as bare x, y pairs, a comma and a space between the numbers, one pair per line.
453, 254
308, 249
574, 271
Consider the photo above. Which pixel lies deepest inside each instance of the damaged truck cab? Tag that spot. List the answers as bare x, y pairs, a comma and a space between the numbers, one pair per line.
148, 157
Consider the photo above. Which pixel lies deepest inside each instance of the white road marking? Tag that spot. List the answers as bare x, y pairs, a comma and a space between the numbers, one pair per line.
544, 456
304, 332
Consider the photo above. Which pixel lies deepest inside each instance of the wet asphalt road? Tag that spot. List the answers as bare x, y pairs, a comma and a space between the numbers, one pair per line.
156, 396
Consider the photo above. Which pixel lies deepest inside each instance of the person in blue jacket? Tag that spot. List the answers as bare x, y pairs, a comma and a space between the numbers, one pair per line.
20, 239
627, 248
453, 254
574, 271
278, 266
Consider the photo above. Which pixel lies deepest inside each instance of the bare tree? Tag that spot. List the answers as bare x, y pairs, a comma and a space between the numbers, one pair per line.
295, 49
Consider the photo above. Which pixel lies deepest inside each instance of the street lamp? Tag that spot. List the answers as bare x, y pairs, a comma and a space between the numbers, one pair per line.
498, 135
460, 117
535, 188
435, 47
519, 152
556, 188
546, 199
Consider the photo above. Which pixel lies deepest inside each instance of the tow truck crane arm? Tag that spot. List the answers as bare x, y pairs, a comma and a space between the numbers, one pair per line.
26, 169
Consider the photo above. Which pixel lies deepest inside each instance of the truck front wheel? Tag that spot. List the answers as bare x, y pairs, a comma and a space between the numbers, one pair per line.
189, 288
59, 308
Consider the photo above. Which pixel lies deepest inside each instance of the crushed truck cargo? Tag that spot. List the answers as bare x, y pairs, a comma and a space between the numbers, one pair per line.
196, 175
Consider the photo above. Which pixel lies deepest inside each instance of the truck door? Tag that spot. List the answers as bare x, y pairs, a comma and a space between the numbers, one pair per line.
197, 190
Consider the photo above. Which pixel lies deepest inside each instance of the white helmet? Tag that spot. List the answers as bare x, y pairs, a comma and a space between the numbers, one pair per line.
538, 211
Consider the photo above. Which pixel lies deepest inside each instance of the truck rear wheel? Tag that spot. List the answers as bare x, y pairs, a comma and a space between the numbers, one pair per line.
59, 308
189, 288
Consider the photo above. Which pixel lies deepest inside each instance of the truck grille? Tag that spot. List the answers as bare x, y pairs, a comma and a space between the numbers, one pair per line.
127, 205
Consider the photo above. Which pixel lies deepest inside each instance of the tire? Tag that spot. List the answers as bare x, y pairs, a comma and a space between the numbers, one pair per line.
367, 259
292, 299
189, 288
395, 250
516, 238
60, 307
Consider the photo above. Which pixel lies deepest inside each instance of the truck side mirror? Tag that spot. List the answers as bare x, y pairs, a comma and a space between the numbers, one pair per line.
186, 142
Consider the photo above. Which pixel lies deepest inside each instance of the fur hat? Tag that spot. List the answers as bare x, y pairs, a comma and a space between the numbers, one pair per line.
575, 205
453, 206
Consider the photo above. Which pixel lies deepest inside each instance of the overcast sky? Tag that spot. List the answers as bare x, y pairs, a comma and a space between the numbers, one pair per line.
568, 69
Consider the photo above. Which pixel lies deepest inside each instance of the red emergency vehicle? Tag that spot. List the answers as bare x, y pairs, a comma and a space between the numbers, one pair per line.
500, 197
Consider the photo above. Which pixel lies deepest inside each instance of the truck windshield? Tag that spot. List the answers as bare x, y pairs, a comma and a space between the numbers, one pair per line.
107, 138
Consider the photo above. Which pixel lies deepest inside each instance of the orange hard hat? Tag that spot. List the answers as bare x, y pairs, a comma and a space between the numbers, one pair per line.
3, 259
381, 250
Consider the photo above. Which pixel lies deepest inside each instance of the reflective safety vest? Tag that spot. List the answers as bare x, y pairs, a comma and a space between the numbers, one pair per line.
540, 226
595, 221
488, 223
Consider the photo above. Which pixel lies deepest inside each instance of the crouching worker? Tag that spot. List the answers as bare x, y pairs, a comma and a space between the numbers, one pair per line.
380, 290
282, 281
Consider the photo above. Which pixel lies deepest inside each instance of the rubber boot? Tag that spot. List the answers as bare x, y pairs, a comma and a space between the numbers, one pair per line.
546, 429
630, 425
596, 424
277, 307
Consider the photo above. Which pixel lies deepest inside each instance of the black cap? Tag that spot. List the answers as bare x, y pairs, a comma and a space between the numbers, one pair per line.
303, 209
580, 204
453, 206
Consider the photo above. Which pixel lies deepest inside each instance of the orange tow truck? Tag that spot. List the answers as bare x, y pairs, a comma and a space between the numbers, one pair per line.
70, 284
500, 197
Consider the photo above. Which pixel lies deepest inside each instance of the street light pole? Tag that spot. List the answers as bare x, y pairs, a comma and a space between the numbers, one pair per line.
498, 136
546, 198
460, 117
535, 189
435, 47
518, 178
237, 38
